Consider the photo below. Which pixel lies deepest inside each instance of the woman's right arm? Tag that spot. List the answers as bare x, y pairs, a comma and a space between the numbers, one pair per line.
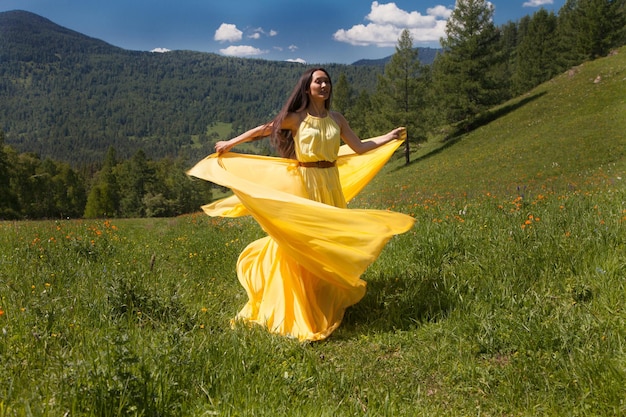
252, 134
291, 122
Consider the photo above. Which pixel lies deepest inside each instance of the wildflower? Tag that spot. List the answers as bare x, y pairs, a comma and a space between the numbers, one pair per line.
1, 312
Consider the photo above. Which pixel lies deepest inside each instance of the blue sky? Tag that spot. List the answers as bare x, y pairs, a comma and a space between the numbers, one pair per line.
316, 31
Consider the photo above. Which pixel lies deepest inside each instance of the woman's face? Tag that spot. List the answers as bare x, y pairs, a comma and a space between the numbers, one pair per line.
320, 85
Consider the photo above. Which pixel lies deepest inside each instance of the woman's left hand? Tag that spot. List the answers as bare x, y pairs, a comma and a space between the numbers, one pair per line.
398, 133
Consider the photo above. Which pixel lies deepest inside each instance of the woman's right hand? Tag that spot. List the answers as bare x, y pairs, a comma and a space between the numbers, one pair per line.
223, 146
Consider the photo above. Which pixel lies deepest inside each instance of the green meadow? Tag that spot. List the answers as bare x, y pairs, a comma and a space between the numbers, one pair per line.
507, 298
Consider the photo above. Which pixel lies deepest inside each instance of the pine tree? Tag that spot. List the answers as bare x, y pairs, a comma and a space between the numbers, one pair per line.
9, 207
590, 29
536, 52
134, 176
104, 197
509, 35
342, 96
464, 72
71, 196
360, 120
401, 92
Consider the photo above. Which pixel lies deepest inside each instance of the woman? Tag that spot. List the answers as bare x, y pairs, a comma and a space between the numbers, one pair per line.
306, 272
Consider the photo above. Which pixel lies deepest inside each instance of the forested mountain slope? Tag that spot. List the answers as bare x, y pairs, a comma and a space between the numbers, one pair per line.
70, 97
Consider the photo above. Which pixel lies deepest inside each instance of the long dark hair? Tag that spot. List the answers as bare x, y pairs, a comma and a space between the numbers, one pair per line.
282, 140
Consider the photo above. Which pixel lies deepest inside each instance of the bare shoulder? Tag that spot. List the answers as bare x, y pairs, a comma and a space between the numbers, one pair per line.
293, 120
338, 118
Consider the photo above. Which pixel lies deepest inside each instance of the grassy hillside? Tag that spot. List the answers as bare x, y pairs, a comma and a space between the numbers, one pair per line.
566, 134
506, 299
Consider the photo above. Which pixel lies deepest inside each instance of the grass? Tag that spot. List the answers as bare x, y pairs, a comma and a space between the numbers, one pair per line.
506, 299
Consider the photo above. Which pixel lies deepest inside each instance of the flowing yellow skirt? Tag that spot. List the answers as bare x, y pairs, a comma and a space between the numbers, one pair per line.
302, 276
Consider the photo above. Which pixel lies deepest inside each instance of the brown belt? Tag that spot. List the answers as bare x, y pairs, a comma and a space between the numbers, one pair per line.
317, 164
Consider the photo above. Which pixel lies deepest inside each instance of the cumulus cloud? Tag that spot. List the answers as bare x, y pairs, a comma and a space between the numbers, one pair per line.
242, 50
537, 3
387, 21
439, 11
390, 14
160, 50
298, 60
228, 33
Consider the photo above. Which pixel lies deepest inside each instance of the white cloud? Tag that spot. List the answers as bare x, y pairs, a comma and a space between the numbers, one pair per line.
387, 22
228, 33
361, 35
258, 32
292, 48
242, 50
383, 14
537, 3
160, 50
298, 60
439, 11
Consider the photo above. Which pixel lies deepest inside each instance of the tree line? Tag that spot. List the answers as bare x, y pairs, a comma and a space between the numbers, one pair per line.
481, 65
33, 188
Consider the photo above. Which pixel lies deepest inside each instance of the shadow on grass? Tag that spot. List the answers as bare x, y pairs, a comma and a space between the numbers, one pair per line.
393, 303
460, 129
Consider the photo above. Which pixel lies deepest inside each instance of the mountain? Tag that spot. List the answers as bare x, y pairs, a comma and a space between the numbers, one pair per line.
70, 97
28, 37
425, 55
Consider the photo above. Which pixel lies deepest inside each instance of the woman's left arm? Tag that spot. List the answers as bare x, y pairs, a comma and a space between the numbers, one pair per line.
358, 146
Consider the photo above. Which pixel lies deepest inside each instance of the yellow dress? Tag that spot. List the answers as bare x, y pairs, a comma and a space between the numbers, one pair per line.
303, 275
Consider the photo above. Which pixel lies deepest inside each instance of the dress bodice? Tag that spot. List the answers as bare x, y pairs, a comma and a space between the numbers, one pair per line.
317, 139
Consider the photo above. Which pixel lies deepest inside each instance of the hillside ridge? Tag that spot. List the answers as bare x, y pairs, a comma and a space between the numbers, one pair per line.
69, 97
568, 133
24, 31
